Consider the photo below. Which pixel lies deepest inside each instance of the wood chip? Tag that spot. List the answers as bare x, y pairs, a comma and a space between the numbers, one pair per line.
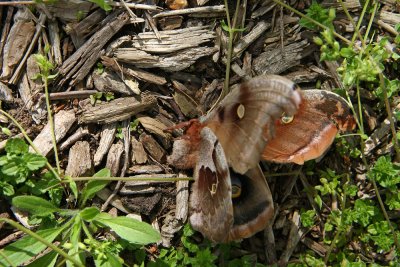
79, 160
157, 128
133, 71
77, 66
116, 202
107, 138
5, 93
153, 148
116, 110
63, 121
274, 62
182, 200
145, 169
293, 239
377, 137
18, 40
175, 51
114, 158
109, 81
79, 32
139, 156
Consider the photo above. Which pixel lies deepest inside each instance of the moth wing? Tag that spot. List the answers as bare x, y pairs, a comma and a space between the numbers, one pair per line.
254, 208
210, 200
244, 121
313, 129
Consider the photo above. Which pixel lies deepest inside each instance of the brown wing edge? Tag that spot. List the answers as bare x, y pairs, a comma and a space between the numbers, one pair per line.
254, 208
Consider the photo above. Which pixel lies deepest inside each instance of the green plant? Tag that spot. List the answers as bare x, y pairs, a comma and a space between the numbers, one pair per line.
46, 67
96, 97
20, 171
75, 229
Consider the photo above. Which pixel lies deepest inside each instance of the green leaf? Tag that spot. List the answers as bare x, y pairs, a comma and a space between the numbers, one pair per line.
132, 230
102, 4
320, 14
347, 52
224, 26
7, 189
3, 160
111, 260
34, 161
48, 260
16, 146
307, 218
89, 214
6, 131
27, 247
72, 186
34, 205
94, 186
318, 200
12, 168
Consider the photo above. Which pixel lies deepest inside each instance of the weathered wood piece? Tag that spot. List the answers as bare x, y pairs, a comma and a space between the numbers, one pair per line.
114, 158
171, 62
28, 87
5, 93
109, 81
249, 38
377, 137
176, 50
348, 4
55, 41
79, 32
182, 200
18, 40
294, 237
5, 32
116, 202
79, 160
143, 187
32, 43
170, 23
276, 61
137, 187
153, 148
78, 134
107, 138
116, 110
133, 71
139, 156
63, 121
157, 128
145, 169
77, 66
390, 18
173, 40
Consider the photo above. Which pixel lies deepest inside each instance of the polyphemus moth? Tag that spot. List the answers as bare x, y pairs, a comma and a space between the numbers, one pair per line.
226, 145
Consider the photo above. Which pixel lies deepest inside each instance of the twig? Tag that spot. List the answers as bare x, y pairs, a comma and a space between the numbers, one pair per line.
205, 9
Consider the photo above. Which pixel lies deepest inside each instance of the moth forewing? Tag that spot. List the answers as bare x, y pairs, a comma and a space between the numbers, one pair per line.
244, 120
210, 200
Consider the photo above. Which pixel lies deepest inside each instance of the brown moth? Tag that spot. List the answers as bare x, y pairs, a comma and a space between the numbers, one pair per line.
226, 145
233, 135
